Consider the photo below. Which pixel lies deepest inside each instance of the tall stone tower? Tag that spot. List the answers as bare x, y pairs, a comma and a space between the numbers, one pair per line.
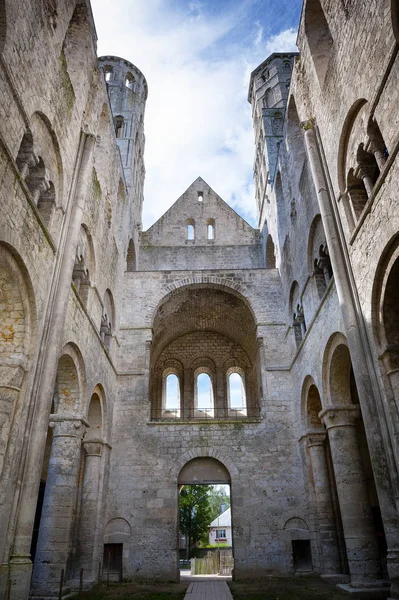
268, 93
127, 91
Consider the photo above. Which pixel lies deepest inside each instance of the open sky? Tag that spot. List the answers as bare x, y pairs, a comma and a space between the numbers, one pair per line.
197, 56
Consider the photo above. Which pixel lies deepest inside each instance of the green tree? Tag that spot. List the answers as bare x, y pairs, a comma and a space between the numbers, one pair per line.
219, 501
195, 514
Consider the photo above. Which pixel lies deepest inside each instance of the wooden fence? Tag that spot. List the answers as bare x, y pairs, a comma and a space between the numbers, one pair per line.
214, 563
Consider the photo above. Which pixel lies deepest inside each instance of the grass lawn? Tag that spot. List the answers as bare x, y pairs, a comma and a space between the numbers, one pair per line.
138, 591
287, 588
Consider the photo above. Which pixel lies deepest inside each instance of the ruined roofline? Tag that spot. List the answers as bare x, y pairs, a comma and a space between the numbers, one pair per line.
264, 64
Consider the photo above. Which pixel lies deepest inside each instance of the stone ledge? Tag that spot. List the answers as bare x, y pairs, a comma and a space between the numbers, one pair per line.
205, 421
374, 593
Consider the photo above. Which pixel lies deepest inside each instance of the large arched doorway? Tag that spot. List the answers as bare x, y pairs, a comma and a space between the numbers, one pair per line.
356, 490
204, 356
328, 547
59, 477
205, 523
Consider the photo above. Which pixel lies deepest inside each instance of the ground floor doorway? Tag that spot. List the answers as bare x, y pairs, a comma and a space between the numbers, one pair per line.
205, 527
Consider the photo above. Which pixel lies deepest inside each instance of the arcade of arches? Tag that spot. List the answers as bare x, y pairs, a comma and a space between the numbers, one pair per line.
203, 349
204, 333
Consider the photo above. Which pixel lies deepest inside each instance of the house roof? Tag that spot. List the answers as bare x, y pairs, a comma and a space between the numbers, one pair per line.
223, 520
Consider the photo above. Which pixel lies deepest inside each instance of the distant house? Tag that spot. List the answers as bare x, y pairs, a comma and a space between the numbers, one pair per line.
220, 529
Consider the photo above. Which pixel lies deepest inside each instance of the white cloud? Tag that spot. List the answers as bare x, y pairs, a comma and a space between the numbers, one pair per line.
198, 120
282, 42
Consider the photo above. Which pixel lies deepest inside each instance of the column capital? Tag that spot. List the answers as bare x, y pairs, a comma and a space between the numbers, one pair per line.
340, 415
308, 124
68, 425
316, 438
93, 447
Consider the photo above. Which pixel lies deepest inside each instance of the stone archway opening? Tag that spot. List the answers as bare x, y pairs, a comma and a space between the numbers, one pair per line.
205, 529
202, 335
328, 553
356, 490
60, 470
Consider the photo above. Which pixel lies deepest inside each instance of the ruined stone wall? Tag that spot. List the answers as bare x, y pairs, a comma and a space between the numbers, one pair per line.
68, 220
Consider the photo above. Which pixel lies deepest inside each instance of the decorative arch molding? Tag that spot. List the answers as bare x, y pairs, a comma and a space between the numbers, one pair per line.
117, 530
12, 261
319, 37
292, 517
72, 351
294, 298
296, 523
389, 256
314, 226
335, 340
344, 141
308, 382
208, 281
98, 391
202, 453
43, 118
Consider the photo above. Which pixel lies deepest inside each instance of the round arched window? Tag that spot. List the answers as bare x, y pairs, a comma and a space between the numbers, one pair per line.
172, 394
203, 392
237, 397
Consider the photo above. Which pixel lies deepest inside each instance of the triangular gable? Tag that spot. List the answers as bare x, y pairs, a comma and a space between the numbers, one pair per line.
200, 206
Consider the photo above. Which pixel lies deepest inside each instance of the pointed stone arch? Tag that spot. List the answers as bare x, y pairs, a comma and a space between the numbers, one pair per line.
78, 54
131, 265
319, 37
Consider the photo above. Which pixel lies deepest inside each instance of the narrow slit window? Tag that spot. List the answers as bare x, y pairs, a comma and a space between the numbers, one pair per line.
190, 232
108, 75
200, 196
129, 81
118, 123
211, 231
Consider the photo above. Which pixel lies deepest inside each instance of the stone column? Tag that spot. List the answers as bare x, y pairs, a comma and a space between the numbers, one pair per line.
254, 408
59, 505
89, 508
360, 540
220, 398
187, 402
324, 510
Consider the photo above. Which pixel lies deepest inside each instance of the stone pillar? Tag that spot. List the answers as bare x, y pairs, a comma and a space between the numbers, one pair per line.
220, 398
324, 510
89, 508
254, 407
366, 169
360, 540
187, 402
59, 505
377, 147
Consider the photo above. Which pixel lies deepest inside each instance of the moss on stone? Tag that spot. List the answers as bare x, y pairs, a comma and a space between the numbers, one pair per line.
96, 185
66, 84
